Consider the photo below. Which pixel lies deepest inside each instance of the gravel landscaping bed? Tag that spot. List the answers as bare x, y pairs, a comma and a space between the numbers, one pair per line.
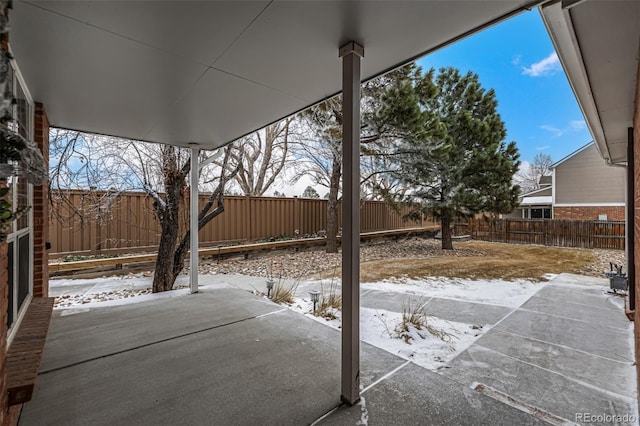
308, 263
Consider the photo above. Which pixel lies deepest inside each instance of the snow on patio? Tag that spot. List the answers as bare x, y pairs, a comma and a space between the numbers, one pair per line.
383, 328
379, 327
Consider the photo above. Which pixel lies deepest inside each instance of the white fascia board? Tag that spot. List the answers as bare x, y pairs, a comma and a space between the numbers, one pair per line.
589, 205
535, 191
553, 187
557, 20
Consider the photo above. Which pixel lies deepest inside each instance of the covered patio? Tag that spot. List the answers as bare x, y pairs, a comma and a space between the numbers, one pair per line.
225, 356
201, 74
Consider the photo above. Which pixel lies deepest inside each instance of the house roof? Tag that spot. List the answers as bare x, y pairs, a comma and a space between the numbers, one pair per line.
545, 180
210, 72
537, 191
536, 201
597, 44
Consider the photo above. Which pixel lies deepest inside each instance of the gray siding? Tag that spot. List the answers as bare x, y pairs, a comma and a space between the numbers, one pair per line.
585, 178
546, 192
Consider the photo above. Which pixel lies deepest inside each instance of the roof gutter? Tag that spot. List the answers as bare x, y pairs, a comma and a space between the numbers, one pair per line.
557, 19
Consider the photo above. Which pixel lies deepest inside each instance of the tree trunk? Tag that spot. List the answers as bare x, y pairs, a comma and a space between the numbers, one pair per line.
332, 207
165, 272
445, 226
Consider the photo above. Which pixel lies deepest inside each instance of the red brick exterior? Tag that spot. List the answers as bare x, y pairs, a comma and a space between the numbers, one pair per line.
4, 296
41, 210
614, 213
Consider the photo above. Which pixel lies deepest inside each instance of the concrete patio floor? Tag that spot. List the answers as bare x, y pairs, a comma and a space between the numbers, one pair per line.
225, 356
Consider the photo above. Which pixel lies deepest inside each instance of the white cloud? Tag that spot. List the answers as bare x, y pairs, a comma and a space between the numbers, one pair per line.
571, 127
577, 125
516, 59
556, 131
542, 148
548, 66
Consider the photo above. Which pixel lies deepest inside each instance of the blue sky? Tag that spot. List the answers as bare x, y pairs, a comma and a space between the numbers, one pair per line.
516, 59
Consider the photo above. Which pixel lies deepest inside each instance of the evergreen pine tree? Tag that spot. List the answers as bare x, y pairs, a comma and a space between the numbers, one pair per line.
459, 165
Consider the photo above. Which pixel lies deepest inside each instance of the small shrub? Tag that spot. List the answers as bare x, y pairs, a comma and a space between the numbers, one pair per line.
284, 293
414, 315
331, 302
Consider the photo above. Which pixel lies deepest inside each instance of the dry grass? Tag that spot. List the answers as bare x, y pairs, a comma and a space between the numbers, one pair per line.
284, 293
492, 261
329, 302
414, 315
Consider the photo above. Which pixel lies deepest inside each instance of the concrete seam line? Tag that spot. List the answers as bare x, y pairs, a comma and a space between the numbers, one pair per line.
610, 328
602, 308
499, 321
507, 399
386, 376
148, 344
625, 362
587, 385
271, 313
325, 415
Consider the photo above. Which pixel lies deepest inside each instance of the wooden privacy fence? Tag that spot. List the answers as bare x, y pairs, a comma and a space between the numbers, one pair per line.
90, 222
548, 232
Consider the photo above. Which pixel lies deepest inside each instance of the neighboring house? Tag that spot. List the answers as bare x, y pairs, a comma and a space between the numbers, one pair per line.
581, 187
536, 204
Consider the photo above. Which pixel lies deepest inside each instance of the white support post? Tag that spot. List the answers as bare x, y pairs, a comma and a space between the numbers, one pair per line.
193, 221
351, 54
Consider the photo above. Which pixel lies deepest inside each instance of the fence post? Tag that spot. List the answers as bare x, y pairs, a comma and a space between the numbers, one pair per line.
98, 225
247, 216
297, 214
93, 230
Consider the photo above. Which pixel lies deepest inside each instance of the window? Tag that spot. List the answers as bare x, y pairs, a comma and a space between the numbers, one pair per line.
541, 213
20, 237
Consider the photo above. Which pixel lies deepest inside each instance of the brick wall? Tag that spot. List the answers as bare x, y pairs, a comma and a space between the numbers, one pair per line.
41, 210
4, 295
614, 213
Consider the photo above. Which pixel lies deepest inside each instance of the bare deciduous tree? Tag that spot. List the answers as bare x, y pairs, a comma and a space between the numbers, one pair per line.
320, 158
105, 163
529, 178
264, 155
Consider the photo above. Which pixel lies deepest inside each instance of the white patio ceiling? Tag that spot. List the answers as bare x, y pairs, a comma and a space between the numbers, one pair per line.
597, 42
211, 71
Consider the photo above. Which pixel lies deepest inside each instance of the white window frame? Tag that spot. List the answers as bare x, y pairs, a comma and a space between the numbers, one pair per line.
16, 234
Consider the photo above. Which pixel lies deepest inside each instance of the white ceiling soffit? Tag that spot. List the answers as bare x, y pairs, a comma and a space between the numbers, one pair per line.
210, 72
597, 43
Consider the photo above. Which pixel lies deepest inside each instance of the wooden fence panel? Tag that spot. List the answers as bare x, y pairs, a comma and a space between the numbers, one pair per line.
96, 221
549, 232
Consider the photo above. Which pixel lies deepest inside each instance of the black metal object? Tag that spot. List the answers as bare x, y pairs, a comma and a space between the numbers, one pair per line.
617, 279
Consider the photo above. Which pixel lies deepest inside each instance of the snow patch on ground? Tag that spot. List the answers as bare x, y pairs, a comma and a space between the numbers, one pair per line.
380, 328
98, 303
132, 288
364, 413
494, 292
